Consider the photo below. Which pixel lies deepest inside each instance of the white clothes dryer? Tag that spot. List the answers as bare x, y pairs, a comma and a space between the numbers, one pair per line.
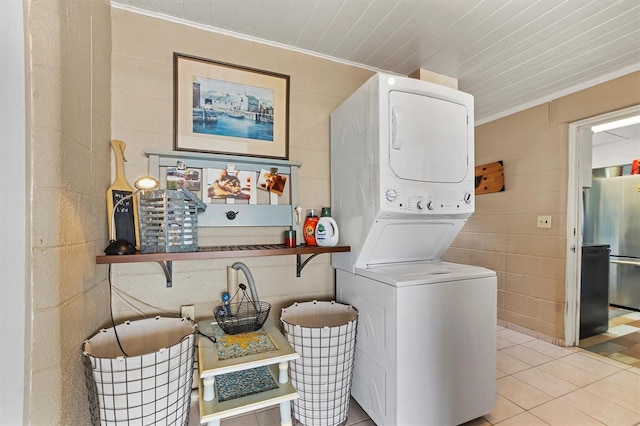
402, 181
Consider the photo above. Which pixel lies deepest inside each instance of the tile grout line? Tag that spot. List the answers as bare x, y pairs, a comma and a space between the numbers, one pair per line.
623, 367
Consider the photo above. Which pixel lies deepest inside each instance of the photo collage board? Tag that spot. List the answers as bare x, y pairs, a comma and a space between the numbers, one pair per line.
230, 185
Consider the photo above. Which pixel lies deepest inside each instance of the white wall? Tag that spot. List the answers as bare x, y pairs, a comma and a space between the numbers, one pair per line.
13, 213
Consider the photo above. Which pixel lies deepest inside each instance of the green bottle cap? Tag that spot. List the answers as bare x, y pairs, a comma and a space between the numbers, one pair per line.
326, 212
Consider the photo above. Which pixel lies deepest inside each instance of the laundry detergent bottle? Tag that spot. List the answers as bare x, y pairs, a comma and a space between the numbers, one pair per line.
327, 229
309, 228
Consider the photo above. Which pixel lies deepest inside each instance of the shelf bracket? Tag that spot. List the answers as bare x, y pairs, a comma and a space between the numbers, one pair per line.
300, 266
167, 268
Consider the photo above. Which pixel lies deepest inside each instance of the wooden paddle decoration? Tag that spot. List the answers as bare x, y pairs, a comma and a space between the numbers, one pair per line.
125, 219
489, 178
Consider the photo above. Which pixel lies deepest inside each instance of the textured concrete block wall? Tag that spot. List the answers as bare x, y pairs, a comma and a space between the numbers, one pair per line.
68, 74
142, 114
503, 235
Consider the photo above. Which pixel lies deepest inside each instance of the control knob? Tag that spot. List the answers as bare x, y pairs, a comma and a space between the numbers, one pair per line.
391, 194
430, 205
420, 205
467, 198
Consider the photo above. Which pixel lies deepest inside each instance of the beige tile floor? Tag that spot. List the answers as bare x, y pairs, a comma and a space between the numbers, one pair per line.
621, 341
538, 384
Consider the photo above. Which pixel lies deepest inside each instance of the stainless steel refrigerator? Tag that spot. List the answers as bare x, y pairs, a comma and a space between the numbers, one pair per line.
612, 216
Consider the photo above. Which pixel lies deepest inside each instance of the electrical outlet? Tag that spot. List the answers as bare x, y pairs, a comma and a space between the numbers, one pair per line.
544, 221
188, 311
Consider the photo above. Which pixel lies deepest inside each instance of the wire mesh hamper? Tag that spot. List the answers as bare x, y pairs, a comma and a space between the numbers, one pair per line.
151, 385
169, 221
324, 334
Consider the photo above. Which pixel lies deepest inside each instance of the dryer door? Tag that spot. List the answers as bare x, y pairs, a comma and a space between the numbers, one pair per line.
429, 138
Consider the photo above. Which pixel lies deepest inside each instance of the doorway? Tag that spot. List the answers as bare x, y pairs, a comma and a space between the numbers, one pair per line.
580, 176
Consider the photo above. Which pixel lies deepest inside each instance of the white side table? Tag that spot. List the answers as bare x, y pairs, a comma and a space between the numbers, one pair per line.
209, 366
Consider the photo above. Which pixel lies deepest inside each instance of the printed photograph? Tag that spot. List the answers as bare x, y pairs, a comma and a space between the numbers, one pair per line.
268, 181
187, 179
225, 184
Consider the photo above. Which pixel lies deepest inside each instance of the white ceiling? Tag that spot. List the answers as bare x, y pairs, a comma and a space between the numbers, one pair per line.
509, 54
618, 135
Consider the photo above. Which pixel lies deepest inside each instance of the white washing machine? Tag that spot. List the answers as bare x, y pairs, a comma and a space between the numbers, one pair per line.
426, 342
402, 188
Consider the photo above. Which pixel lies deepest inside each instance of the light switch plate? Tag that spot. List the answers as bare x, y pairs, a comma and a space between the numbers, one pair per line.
544, 221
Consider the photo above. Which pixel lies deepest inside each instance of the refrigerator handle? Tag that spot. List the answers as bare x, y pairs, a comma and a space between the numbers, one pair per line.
625, 262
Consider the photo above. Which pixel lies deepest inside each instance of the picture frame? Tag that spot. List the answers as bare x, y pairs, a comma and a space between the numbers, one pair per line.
230, 109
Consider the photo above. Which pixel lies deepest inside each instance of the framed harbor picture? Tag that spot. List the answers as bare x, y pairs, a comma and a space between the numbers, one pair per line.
229, 109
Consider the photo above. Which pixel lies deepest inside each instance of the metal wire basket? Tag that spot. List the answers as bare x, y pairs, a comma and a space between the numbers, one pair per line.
242, 317
151, 384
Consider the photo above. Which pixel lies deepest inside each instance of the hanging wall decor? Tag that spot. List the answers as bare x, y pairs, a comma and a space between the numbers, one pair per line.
229, 109
489, 178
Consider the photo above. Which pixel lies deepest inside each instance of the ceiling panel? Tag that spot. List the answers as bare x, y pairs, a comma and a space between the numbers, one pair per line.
550, 67
340, 25
431, 26
474, 41
296, 17
458, 35
362, 29
382, 30
507, 53
168, 7
621, 134
219, 13
317, 23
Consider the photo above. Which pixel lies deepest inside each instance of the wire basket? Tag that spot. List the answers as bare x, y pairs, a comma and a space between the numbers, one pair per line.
242, 317
324, 334
151, 384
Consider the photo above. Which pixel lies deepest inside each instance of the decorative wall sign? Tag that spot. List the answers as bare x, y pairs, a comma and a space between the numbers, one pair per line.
229, 109
489, 178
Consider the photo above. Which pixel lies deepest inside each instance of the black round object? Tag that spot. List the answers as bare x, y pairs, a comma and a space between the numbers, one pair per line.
120, 247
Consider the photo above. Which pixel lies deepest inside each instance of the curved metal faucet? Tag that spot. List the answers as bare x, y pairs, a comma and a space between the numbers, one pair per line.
252, 284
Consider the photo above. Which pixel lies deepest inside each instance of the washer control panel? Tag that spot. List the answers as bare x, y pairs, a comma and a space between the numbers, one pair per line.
437, 202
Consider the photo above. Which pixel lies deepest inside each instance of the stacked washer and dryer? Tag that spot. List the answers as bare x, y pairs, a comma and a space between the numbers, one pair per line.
402, 185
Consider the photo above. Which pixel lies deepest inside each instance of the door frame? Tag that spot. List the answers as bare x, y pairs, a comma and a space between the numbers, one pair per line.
579, 151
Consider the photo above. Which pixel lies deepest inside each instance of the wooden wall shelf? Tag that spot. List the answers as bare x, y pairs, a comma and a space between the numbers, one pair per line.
221, 252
